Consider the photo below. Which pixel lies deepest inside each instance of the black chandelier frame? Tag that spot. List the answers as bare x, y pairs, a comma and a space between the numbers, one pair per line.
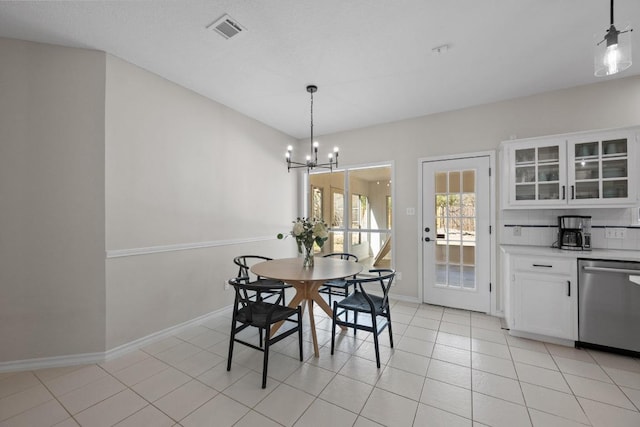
312, 158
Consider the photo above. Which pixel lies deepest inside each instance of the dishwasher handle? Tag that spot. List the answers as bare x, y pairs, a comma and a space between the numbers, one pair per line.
611, 270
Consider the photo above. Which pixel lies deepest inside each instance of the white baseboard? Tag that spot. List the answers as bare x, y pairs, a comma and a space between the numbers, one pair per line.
88, 358
51, 362
404, 298
157, 336
543, 338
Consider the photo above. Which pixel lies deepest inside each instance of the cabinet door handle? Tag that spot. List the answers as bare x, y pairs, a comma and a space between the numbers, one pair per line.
573, 192
543, 265
563, 192
568, 288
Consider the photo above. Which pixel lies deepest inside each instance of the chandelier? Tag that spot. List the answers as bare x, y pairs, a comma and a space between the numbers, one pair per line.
613, 53
312, 158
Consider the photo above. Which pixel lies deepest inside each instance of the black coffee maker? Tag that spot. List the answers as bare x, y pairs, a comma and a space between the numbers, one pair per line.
574, 232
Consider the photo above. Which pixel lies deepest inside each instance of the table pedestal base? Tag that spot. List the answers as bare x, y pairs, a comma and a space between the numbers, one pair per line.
306, 294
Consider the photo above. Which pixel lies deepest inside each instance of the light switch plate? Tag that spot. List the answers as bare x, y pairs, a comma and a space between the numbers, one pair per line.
411, 211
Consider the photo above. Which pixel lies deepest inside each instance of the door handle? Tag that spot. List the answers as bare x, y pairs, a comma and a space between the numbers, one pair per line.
542, 265
573, 192
563, 192
611, 270
427, 239
568, 288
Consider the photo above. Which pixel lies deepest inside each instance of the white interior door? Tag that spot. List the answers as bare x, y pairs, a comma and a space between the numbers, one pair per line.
456, 208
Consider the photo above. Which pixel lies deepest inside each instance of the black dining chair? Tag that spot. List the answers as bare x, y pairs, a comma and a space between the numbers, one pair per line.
244, 263
249, 311
372, 306
338, 287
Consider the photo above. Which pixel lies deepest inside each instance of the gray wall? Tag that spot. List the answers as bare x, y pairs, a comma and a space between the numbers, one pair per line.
614, 103
98, 157
181, 170
178, 170
52, 274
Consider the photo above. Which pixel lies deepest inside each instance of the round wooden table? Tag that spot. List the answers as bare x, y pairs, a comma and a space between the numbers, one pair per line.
306, 282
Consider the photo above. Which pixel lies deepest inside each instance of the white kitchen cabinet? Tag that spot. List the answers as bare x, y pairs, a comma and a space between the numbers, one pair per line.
602, 168
537, 172
589, 169
543, 293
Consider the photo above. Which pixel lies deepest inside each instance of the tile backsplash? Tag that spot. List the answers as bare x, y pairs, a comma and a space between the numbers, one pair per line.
538, 227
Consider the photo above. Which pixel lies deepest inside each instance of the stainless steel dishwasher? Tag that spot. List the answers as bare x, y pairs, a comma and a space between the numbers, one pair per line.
609, 304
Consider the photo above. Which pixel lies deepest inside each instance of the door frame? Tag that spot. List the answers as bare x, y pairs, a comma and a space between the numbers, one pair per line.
495, 289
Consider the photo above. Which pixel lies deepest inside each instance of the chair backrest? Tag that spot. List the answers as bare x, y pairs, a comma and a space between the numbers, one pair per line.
245, 293
384, 277
342, 255
244, 263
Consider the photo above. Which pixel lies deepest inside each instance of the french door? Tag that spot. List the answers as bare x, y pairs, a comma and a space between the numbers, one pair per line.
456, 216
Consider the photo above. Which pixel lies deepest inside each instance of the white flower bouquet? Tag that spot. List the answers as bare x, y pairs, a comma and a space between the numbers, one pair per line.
308, 231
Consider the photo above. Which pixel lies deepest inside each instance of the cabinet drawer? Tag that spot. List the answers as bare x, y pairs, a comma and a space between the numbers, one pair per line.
544, 265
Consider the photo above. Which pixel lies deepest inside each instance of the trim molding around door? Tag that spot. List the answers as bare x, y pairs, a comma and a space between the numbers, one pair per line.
495, 290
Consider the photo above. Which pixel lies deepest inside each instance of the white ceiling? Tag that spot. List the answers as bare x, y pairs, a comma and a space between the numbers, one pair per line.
371, 59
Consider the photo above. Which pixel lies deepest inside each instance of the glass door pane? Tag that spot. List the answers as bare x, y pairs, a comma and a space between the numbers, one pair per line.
601, 170
455, 204
614, 169
538, 173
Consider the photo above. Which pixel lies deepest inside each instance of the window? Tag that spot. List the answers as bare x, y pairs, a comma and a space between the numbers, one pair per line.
389, 217
359, 215
359, 212
337, 208
316, 202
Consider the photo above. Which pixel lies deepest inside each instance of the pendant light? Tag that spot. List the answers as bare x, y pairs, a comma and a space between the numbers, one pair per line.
312, 158
613, 53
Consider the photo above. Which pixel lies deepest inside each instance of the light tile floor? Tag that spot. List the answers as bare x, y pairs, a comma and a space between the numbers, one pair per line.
448, 368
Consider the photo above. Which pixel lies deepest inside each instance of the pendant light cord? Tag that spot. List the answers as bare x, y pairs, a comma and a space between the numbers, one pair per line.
611, 12
311, 142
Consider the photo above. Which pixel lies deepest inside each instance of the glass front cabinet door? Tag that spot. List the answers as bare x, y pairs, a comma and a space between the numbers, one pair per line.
590, 169
601, 168
537, 173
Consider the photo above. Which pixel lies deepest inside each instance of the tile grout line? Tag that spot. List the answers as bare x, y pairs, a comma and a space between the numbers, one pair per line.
352, 355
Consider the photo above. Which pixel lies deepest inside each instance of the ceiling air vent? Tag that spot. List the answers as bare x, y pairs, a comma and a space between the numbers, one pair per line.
226, 26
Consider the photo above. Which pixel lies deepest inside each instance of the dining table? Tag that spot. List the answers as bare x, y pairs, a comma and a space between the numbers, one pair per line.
307, 282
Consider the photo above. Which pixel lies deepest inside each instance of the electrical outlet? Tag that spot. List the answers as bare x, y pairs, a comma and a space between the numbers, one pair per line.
398, 275
517, 231
615, 233
226, 285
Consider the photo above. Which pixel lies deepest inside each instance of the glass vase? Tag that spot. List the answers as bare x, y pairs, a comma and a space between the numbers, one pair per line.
308, 257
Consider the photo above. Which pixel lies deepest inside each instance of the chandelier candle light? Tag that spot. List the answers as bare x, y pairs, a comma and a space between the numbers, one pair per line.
613, 53
312, 158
